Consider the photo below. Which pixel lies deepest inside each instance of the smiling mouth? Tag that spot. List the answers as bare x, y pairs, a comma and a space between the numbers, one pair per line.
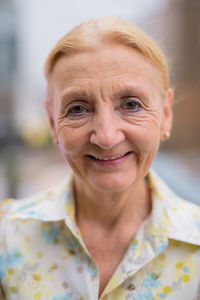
101, 158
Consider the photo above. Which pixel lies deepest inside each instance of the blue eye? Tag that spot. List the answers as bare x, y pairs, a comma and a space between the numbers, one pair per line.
131, 105
76, 110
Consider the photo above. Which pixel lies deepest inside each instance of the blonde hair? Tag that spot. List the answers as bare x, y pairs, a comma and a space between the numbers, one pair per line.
94, 32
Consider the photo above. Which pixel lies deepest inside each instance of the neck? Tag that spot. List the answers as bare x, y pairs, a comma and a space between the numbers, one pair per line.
107, 210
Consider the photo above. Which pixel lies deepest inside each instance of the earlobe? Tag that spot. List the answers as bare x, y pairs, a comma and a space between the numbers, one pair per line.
51, 120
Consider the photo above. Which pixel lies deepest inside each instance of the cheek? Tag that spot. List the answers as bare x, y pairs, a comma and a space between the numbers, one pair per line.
72, 145
67, 142
146, 136
71, 141
145, 127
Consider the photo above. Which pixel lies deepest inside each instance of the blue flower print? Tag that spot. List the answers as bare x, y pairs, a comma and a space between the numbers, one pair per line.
26, 206
134, 244
186, 270
15, 257
162, 247
163, 295
50, 232
198, 224
3, 268
92, 269
72, 243
67, 196
147, 296
80, 257
151, 282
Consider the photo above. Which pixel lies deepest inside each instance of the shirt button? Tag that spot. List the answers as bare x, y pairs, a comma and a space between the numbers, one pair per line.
131, 287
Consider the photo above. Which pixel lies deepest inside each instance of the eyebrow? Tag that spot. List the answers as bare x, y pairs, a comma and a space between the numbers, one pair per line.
72, 93
132, 90
80, 93
127, 90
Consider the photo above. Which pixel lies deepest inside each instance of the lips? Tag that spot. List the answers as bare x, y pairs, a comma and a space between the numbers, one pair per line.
108, 158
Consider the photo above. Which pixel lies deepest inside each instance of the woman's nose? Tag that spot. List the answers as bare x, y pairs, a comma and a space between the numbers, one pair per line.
106, 132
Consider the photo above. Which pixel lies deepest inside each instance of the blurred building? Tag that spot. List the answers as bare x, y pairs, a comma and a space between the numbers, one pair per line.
187, 110
8, 135
178, 28
7, 67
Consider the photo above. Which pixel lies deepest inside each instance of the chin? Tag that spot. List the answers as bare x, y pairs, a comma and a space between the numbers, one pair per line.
112, 183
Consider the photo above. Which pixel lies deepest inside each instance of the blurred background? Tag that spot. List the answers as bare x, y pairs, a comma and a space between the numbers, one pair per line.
29, 162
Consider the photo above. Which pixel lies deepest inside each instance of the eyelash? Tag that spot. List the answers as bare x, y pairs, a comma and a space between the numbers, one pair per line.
137, 107
75, 106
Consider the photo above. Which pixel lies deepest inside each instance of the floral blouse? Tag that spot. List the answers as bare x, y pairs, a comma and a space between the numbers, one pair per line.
43, 256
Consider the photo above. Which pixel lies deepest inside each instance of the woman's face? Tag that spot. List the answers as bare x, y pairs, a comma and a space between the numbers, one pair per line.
108, 115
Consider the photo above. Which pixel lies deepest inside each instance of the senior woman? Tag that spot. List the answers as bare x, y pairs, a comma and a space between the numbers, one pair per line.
113, 230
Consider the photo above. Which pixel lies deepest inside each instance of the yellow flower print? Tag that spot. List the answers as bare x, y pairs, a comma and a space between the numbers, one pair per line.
37, 296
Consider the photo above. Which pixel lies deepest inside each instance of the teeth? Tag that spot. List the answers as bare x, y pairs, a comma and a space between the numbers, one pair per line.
111, 158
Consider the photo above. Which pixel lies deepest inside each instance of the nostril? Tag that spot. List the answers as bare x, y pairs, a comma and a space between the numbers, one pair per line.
107, 139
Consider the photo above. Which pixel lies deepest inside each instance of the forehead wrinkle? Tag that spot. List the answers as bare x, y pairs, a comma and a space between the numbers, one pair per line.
70, 73
87, 90
98, 70
122, 88
107, 90
104, 91
97, 62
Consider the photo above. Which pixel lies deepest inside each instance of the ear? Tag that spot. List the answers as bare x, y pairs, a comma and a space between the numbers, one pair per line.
167, 119
48, 109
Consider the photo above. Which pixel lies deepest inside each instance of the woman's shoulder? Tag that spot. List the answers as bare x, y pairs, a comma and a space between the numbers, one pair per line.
187, 211
10, 206
183, 216
38, 205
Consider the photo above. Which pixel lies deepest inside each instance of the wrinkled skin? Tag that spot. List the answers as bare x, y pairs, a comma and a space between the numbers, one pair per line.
107, 102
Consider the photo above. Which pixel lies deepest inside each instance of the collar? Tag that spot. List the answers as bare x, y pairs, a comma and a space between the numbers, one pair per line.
171, 216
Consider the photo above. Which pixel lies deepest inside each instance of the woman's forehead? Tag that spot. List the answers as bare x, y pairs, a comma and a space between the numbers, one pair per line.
114, 63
